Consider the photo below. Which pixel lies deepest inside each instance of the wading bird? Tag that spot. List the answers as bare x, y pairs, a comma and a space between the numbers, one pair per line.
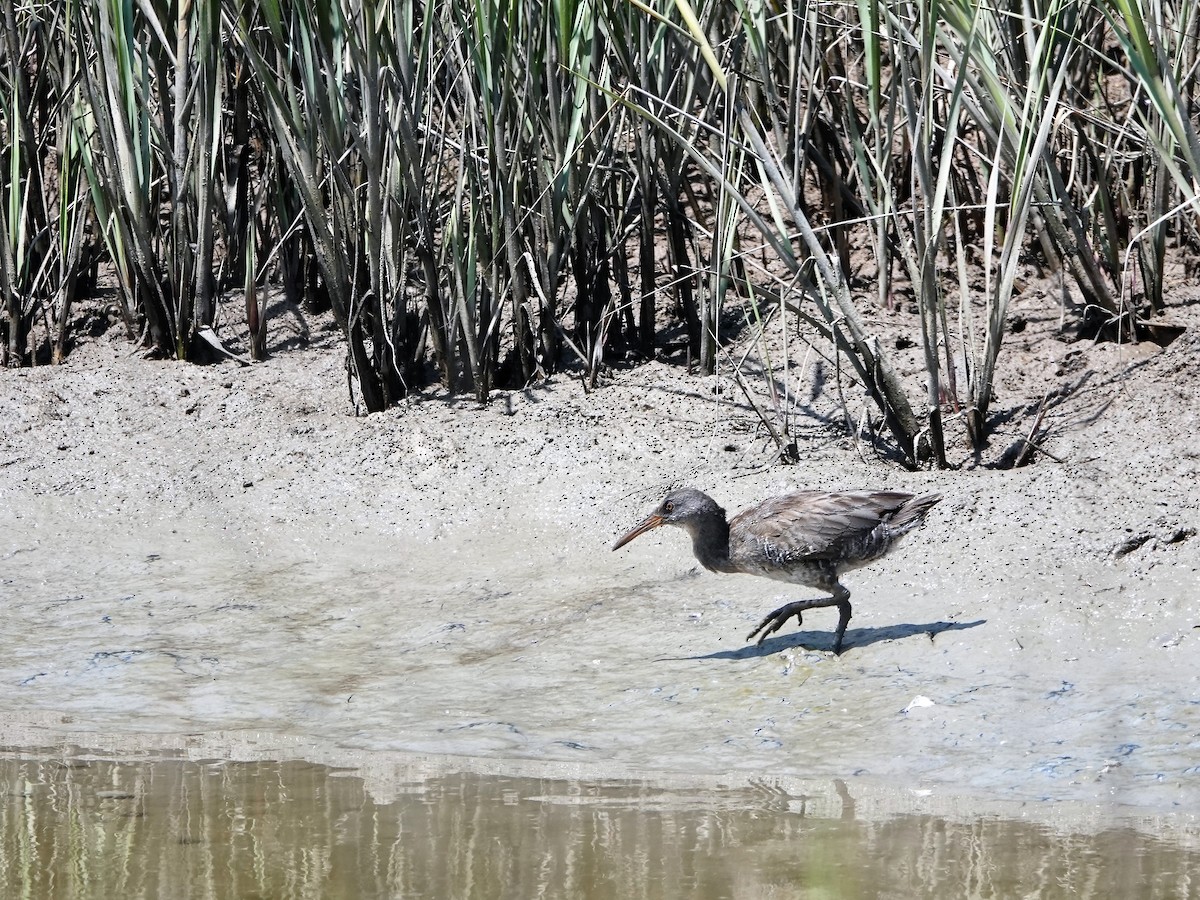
809, 538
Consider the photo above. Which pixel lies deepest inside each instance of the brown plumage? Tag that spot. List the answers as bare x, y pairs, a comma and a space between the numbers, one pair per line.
809, 538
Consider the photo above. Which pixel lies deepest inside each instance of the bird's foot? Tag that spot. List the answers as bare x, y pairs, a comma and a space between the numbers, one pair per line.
775, 620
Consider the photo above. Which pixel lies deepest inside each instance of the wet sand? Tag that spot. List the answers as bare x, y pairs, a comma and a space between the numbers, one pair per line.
192, 551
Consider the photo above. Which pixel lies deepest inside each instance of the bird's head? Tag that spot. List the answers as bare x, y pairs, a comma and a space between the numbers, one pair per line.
684, 508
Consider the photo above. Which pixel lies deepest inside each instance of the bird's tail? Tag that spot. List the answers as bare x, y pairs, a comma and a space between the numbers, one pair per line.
912, 513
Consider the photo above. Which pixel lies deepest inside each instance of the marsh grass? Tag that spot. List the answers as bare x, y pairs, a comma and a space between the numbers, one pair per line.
486, 193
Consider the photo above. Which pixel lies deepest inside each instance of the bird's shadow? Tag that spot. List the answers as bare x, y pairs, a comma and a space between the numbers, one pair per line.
823, 640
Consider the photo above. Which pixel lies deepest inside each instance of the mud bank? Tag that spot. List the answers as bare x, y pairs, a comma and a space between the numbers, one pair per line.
190, 550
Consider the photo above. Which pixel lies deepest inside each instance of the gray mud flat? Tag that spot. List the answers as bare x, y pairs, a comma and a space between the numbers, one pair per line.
190, 551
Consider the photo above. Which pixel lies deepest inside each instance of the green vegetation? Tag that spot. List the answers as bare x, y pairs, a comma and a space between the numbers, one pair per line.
490, 191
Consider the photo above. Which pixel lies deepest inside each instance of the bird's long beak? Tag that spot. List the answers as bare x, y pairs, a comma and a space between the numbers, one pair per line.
650, 523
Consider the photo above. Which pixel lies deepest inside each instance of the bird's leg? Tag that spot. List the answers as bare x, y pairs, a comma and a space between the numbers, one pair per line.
842, 600
775, 620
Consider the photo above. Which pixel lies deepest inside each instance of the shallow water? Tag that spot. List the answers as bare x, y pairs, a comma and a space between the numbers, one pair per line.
80, 825
1025, 738
1035, 688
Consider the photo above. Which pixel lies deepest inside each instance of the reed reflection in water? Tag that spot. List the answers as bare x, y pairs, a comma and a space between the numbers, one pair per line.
81, 827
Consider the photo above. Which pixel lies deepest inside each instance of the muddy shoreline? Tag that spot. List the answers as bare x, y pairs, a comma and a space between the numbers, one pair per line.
197, 550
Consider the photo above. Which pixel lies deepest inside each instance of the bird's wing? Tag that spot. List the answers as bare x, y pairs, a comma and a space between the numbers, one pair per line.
813, 524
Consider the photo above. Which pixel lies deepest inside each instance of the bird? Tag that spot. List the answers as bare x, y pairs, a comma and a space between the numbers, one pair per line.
805, 537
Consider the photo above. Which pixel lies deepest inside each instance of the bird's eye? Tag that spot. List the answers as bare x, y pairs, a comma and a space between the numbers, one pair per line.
669, 507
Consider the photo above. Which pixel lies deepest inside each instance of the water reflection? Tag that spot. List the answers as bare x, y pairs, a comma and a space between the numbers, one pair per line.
75, 826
